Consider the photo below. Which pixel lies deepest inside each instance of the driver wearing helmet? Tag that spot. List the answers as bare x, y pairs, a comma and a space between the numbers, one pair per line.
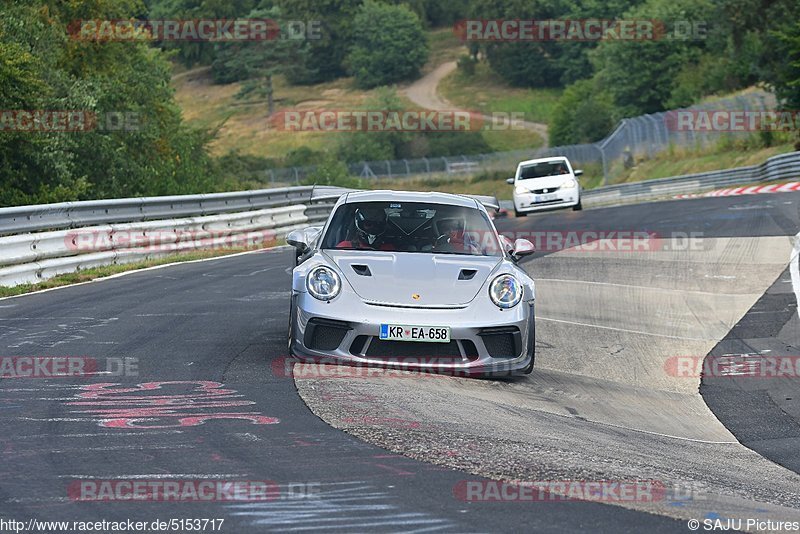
454, 236
370, 224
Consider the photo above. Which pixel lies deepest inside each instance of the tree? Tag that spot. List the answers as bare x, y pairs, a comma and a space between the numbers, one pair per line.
641, 75
41, 68
379, 145
523, 64
435, 13
389, 45
583, 115
544, 63
331, 171
256, 62
322, 59
785, 76
191, 53
389, 145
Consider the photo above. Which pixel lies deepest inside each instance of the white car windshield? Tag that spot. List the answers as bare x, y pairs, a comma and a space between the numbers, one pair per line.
412, 227
545, 168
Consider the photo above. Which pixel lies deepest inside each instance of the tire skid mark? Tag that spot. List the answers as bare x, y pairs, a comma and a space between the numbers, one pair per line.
350, 506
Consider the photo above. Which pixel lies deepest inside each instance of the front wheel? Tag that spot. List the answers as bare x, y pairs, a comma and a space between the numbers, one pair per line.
519, 213
578, 206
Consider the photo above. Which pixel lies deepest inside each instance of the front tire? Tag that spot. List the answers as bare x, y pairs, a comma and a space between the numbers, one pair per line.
528, 368
292, 312
578, 206
518, 213
531, 343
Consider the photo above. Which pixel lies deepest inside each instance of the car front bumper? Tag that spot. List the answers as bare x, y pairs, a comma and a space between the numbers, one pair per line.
484, 339
564, 198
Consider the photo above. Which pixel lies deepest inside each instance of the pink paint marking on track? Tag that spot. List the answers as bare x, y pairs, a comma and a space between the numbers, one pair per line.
136, 407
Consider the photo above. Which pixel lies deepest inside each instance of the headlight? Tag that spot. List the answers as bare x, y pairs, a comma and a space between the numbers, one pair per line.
521, 190
505, 291
569, 184
323, 283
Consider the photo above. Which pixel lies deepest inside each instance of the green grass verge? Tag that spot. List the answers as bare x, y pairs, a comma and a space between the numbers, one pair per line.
108, 270
485, 92
507, 140
677, 161
444, 46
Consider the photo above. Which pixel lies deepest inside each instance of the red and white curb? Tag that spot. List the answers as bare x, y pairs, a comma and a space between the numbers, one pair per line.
749, 190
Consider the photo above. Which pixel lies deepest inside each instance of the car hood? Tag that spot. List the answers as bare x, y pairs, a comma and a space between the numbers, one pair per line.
396, 277
545, 182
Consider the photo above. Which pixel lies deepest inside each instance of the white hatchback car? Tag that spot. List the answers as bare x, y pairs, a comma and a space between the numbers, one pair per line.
545, 184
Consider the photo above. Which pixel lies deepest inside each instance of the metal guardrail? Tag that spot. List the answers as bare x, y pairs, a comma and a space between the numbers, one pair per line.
21, 219
126, 230
80, 235
781, 167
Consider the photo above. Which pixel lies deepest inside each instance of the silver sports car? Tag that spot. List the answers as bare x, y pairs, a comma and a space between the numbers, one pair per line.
413, 281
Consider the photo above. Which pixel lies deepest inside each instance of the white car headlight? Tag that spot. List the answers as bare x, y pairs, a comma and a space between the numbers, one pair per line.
505, 291
521, 190
569, 184
323, 283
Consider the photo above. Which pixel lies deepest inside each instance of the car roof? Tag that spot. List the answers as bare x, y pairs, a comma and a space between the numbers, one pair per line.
544, 160
411, 196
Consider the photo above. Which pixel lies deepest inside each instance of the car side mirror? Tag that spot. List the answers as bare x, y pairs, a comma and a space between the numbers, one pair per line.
510, 181
522, 248
297, 239
303, 239
578, 172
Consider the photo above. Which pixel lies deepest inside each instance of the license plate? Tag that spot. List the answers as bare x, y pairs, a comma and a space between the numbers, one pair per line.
545, 198
402, 332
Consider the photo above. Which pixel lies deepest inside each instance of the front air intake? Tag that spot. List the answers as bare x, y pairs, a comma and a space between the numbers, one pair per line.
418, 352
502, 342
325, 334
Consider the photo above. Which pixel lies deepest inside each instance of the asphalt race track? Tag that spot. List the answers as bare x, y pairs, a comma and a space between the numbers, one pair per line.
187, 381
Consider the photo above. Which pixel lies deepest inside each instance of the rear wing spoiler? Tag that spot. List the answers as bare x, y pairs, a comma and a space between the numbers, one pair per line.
328, 192
488, 202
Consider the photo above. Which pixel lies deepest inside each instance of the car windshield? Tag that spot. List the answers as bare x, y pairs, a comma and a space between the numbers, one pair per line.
412, 227
542, 169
